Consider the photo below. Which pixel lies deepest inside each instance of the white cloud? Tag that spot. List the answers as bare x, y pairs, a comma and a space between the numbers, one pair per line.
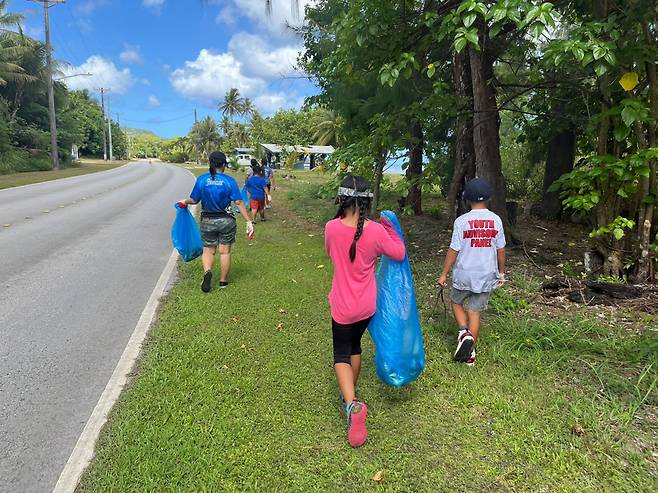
131, 54
248, 65
212, 74
104, 74
227, 16
155, 5
258, 61
88, 7
269, 102
153, 102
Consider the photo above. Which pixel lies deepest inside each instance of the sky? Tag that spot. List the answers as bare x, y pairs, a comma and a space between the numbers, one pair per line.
160, 60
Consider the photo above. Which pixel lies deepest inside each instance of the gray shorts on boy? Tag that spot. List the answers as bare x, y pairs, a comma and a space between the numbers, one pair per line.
475, 302
218, 230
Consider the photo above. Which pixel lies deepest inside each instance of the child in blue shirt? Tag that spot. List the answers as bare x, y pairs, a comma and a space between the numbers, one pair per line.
256, 186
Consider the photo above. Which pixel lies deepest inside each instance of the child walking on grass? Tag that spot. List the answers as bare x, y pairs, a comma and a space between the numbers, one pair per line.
353, 242
256, 185
477, 251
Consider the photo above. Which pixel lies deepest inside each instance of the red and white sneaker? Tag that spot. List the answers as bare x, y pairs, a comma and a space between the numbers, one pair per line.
471, 359
465, 342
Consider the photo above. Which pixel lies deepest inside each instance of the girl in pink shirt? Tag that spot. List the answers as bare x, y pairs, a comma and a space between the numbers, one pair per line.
353, 242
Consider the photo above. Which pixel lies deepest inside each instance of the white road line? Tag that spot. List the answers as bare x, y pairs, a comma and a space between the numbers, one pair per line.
83, 452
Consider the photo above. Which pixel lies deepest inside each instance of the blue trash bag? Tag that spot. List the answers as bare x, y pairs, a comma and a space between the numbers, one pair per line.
185, 235
395, 328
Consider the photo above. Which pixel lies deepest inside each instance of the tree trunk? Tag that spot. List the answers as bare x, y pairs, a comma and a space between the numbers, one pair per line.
644, 269
559, 160
379, 172
464, 168
415, 169
486, 122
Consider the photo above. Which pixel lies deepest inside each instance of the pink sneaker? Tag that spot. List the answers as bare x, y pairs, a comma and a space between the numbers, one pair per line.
357, 433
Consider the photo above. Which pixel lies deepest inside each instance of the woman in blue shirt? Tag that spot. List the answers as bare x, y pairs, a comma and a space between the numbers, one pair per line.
216, 190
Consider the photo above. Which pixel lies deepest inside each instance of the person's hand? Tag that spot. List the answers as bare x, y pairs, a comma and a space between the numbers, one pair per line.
443, 280
181, 204
501, 279
250, 230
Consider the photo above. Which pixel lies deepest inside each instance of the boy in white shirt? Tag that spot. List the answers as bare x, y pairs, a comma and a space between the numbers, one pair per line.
477, 251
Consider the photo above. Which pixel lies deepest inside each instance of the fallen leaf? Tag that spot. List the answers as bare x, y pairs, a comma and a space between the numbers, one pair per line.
234, 319
321, 266
378, 477
294, 281
571, 244
225, 367
311, 236
299, 244
279, 327
281, 310
546, 276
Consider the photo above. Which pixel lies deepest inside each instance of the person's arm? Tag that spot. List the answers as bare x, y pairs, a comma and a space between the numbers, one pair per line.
451, 258
194, 197
500, 253
391, 244
236, 196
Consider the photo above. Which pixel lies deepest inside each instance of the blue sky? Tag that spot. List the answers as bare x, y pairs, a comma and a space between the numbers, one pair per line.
161, 59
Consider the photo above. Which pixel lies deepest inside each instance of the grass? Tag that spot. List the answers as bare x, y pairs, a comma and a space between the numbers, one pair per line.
85, 166
236, 392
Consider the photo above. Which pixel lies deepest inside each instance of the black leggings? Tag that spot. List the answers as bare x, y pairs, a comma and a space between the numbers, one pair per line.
347, 339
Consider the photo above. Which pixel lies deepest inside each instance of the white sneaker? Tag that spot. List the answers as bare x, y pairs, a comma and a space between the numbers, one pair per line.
471, 359
465, 342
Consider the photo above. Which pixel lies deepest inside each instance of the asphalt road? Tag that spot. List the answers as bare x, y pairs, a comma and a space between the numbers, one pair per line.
79, 259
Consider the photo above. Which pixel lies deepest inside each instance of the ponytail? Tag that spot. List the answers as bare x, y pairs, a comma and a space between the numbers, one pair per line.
361, 204
213, 171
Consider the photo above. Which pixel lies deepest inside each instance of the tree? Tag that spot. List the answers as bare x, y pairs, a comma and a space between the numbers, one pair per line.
326, 128
232, 104
205, 137
247, 108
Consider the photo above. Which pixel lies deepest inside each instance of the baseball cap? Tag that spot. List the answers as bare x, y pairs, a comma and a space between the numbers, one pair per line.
477, 190
217, 158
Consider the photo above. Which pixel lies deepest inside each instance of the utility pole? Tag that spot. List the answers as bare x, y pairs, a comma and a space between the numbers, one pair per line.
52, 117
103, 121
109, 129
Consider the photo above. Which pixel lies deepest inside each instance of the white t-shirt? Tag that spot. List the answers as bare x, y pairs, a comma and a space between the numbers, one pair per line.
477, 235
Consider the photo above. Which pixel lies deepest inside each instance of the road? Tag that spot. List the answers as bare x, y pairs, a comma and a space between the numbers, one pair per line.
79, 259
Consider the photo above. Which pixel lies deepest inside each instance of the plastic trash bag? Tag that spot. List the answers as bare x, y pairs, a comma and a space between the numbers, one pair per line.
395, 328
185, 235
245, 196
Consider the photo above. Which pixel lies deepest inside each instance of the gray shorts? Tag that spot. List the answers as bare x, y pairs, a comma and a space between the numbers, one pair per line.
218, 230
476, 302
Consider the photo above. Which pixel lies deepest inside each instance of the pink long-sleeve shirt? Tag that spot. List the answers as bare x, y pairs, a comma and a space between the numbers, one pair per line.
353, 295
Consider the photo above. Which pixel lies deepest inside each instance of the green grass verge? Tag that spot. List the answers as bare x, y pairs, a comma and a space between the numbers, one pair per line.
236, 392
84, 167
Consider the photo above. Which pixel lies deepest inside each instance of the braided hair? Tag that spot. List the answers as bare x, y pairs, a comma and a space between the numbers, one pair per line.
349, 201
217, 160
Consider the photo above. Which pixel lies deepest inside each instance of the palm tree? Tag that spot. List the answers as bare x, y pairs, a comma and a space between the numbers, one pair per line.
232, 104
294, 8
205, 137
326, 128
225, 126
248, 108
11, 48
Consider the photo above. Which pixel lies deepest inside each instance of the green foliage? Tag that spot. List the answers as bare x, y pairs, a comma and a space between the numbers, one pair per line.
615, 228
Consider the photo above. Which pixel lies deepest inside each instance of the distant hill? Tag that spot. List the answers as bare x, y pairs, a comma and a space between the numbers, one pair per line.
135, 132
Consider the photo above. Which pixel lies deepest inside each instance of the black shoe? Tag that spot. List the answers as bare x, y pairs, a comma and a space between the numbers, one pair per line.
207, 279
223, 284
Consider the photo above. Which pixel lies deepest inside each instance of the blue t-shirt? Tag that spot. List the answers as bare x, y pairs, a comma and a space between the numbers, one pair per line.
215, 195
256, 187
268, 174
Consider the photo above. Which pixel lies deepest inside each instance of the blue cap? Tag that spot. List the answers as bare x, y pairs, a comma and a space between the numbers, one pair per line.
477, 190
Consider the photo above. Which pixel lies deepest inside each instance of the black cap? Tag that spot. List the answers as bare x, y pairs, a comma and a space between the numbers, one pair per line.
217, 158
477, 190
